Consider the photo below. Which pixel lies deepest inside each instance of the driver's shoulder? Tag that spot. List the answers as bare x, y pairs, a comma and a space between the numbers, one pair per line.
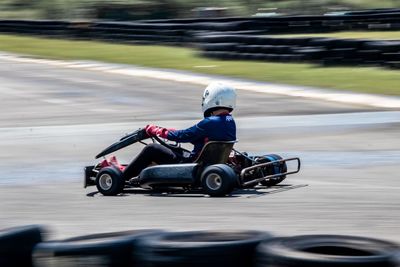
213, 120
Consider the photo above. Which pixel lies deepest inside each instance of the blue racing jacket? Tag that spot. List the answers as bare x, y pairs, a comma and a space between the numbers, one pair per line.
213, 128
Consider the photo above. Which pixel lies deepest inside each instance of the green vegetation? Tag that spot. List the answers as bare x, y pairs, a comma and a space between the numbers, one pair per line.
377, 35
361, 79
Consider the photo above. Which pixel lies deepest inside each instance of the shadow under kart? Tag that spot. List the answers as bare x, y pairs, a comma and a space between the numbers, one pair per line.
218, 170
254, 192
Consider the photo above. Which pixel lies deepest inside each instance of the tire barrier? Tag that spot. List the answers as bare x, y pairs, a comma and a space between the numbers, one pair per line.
218, 46
318, 23
24, 246
386, 19
374, 11
327, 251
311, 53
324, 51
241, 38
200, 249
107, 249
384, 46
250, 39
251, 56
16, 245
105, 31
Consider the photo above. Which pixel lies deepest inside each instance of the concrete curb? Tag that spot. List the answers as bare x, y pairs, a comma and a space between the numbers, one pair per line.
370, 100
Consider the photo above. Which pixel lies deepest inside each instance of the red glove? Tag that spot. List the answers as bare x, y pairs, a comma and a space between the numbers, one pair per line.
153, 130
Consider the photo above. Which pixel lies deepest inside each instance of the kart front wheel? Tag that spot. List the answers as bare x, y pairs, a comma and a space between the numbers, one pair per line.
218, 180
109, 181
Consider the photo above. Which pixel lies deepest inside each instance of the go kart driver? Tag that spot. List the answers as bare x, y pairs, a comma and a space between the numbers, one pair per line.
218, 125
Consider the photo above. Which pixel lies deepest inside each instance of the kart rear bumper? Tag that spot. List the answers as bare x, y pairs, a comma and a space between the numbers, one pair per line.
272, 176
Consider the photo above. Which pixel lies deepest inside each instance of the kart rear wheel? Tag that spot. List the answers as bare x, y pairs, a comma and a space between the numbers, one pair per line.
218, 180
109, 181
275, 169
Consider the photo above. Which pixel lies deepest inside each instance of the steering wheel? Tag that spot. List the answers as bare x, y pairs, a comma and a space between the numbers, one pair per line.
170, 146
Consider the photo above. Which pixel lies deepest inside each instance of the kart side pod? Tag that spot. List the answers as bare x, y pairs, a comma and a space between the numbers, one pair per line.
168, 175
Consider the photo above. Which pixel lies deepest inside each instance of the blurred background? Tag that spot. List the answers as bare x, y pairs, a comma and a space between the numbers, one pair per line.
162, 9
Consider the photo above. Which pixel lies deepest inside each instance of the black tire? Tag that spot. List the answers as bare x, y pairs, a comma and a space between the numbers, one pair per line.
16, 245
109, 181
311, 53
219, 38
326, 251
391, 56
106, 249
218, 47
274, 169
392, 65
345, 53
199, 249
327, 43
218, 180
351, 43
383, 46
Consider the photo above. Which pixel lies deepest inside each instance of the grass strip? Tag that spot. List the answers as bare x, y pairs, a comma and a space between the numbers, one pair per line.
359, 79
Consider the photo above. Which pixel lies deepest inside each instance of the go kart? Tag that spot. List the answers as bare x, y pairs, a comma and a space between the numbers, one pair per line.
217, 171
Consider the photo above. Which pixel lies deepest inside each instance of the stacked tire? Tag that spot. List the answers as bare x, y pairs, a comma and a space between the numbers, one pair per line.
16, 245
106, 249
200, 249
327, 251
25, 247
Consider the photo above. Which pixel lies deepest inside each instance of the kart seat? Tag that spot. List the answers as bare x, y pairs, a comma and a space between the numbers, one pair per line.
215, 152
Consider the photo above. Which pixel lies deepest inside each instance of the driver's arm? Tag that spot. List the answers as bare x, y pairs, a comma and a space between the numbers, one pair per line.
188, 135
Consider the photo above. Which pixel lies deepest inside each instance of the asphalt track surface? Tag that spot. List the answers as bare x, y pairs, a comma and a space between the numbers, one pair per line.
53, 121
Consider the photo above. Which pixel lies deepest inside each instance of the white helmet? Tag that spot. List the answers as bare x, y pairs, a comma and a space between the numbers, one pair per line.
218, 95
